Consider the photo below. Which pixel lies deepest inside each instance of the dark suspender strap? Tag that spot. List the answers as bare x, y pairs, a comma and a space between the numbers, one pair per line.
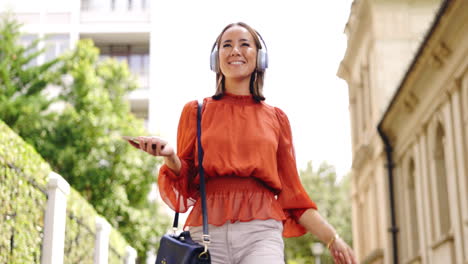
201, 172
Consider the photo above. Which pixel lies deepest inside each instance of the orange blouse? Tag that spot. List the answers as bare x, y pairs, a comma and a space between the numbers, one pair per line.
249, 165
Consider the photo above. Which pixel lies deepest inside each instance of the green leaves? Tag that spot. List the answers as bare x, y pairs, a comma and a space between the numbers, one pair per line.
21, 84
332, 199
78, 128
23, 177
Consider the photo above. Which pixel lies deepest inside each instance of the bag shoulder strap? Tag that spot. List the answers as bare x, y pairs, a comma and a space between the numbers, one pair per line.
201, 172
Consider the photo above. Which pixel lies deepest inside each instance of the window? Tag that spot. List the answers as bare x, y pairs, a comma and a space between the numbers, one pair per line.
115, 5
440, 182
464, 128
412, 209
96, 5
139, 65
136, 56
56, 45
26, 41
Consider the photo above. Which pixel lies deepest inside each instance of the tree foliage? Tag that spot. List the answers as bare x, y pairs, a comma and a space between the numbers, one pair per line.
22, 85
78, 131
332, 199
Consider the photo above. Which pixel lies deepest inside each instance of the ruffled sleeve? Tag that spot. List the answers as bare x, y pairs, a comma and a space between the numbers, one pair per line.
179, 191
293, 198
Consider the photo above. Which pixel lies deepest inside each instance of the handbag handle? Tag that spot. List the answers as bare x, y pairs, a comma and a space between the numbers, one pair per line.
201, 172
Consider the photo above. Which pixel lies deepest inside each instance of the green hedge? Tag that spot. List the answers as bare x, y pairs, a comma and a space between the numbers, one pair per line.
80, 230
23, 177
117, 247
23, 199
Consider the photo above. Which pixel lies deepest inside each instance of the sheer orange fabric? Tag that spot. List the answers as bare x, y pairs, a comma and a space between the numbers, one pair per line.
249, 164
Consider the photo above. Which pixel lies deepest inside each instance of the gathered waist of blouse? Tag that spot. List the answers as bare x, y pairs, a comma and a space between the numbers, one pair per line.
234, 183
233, 198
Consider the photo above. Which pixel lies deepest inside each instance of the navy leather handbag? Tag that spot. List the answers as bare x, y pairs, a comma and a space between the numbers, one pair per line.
181, 249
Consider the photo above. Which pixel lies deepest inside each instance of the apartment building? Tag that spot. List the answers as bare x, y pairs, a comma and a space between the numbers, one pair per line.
119, 28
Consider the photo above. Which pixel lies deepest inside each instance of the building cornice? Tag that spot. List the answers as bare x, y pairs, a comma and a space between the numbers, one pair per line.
355, 32
431, 51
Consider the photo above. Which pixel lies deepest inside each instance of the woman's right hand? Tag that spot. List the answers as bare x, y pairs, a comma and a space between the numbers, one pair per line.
155, 146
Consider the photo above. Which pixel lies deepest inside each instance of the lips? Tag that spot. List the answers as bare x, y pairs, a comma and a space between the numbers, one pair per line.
236, 62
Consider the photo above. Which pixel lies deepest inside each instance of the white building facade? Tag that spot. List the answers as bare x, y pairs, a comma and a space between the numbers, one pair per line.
407, 72
119, 28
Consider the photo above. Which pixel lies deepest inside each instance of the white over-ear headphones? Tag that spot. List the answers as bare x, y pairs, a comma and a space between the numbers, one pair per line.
262, 56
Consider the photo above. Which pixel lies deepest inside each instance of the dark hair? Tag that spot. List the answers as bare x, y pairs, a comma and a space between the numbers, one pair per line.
256, 79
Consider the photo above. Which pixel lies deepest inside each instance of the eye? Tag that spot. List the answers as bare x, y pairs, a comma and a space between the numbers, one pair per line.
226, 45
246, 44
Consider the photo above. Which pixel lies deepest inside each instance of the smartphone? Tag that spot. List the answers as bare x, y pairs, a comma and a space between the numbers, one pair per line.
135, 140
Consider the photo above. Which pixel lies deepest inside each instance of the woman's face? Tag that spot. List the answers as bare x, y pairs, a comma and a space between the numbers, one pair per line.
237, 53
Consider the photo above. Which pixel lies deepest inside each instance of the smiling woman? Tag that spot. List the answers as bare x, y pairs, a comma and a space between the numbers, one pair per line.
241, 60
254, 195
237, 56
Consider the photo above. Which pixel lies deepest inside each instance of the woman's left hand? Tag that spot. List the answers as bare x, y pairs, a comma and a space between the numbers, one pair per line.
342, 253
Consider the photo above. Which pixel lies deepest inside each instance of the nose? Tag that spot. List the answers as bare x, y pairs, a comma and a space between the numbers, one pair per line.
235, 51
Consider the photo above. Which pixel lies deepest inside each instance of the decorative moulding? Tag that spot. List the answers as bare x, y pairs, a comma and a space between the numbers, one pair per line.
439, 55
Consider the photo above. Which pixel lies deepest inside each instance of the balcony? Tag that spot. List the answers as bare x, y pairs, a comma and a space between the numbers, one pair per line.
112, 15
137, 58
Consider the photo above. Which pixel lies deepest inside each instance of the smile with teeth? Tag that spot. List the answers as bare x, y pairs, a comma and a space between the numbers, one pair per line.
237, 62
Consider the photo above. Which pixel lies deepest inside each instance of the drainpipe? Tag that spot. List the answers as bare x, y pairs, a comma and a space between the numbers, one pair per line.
388, 147
390, 165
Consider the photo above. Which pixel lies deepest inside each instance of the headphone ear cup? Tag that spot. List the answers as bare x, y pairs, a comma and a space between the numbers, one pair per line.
214, 61
262, 60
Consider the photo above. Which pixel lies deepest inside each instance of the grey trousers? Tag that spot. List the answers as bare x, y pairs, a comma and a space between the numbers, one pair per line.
253, 242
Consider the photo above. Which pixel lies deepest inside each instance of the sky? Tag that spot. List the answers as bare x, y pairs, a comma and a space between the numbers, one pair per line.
305, 41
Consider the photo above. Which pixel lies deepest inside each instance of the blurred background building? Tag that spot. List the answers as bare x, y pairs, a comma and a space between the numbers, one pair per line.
119, 28
406, 67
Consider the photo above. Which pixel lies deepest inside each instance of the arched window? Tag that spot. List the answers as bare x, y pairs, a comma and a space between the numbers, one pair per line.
465, 127
412, 209
442, 199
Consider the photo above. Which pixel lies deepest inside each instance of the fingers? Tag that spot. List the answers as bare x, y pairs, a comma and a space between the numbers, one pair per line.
343, 250
342, 253
347, 257
152, 145
337, 256
160, 148
353, 257
142, 142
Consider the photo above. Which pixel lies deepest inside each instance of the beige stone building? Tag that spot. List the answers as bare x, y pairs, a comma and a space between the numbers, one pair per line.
406, 66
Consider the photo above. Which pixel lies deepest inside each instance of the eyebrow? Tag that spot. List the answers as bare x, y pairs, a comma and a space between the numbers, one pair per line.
228, 40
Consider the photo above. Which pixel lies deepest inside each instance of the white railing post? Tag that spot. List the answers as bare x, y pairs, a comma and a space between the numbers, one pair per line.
101, 247
130, 255
55, 220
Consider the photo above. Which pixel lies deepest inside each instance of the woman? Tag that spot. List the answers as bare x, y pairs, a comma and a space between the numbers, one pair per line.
254, 194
